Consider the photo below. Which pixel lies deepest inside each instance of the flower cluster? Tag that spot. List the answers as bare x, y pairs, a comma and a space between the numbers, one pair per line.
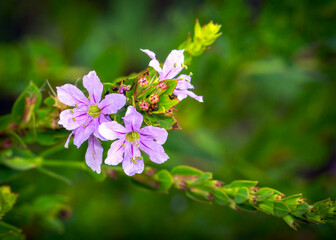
173, 65
90, 117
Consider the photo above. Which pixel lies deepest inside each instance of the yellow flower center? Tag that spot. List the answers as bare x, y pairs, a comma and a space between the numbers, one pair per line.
94, 111
132, 136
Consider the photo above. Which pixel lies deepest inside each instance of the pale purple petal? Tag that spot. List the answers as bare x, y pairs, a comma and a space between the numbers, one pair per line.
130, 166
97, 122
71, 119
115, 153
182, 94
156, 65
112, 130
112, 103
93, 85
150, 133
154, 150
184, 85
149, 53
184, 77
70, 95
94, 154
132, 119
82, 134
173, 65
68, 140
153, 63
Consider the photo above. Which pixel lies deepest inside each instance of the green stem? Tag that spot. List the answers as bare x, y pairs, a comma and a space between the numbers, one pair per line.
242, 195
65, 164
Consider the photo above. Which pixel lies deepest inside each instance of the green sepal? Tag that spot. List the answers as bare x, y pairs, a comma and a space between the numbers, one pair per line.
301, 208
291, 222
200, 194
160, 120
183, 170
165, 180
246, 207
280, 209
242, 195
240, 183
201, 179
322, 209
220, 196
264, 193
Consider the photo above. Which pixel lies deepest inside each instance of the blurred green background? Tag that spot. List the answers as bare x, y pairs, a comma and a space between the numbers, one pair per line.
268, 114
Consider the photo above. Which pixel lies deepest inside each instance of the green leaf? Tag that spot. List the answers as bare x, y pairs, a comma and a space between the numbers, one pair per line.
50, 101
280, 209
241, 183
9, 232
7, 200
47, 210
220, 197
264, 193
120, 114
186, 171
165, 180
5, 121
20, 163
242, 195
204, 177
26, 104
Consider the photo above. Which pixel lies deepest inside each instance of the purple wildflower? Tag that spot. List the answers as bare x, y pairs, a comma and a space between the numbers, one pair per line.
171, 67
88, 114
132, 139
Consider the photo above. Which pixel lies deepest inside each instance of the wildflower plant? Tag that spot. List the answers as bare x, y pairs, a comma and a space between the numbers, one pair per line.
133, 116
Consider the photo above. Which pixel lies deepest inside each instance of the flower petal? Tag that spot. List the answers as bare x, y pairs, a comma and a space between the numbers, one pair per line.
132, 119
130, 165
112, 130
93, 85
71, 119
68, 140
97, 122
149, 53
82, 134
154, 150
115, 153
94, 154
71, 95
150, 133
112, 103
153, 63
185, 78
182, 94
173, 65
